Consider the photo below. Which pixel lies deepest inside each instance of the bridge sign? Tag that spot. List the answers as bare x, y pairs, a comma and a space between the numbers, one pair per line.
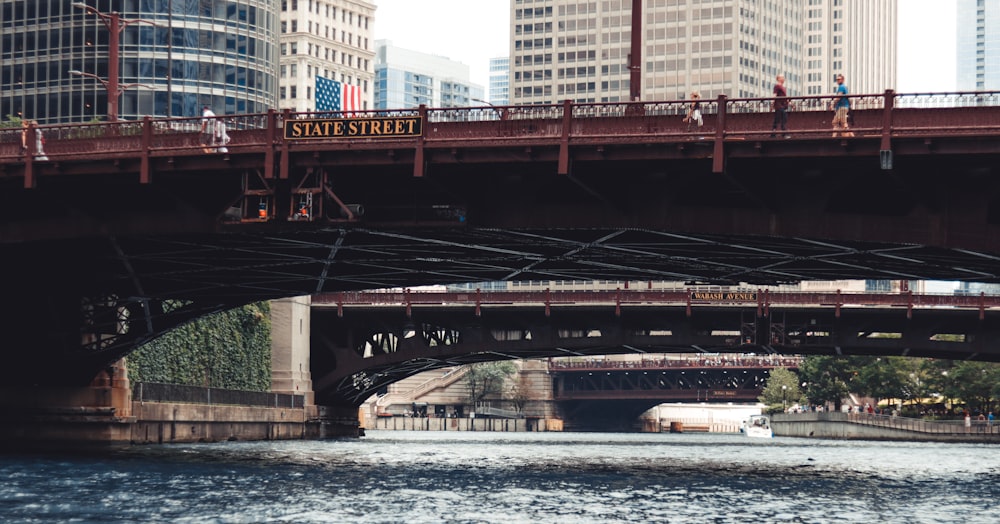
723, 296
369, 127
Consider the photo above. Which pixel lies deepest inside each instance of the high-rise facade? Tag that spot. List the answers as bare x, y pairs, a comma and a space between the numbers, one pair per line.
856, 38
568, 49
328, 38
405, 78
500, 81
978, 46
175, 56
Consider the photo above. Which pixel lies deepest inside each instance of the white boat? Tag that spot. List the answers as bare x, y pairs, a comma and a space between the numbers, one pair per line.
758, 426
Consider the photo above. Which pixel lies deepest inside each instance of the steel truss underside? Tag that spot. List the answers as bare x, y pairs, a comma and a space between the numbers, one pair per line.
132, 278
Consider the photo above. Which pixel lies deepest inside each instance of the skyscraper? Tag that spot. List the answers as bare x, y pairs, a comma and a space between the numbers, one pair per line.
328, 38
565, 49
500, 81
175, 56
978, 45
405, 78
856, 38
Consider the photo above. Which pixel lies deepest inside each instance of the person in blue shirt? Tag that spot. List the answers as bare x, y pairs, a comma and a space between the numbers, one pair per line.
841, 106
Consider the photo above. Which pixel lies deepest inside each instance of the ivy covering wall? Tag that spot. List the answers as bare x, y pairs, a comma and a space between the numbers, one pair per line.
230, 350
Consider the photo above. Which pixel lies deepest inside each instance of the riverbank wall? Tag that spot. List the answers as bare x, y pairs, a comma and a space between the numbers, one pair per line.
863, 426
176, 423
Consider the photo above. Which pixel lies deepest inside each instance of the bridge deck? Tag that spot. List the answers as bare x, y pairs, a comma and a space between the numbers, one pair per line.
126, 230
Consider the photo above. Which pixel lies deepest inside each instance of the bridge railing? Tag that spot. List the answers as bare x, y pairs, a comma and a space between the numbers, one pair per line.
766, 298
885, 114
155, 392
941, 427
729, 361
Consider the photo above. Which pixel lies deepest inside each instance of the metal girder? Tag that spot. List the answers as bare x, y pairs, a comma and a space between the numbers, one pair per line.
358, 371
667, 385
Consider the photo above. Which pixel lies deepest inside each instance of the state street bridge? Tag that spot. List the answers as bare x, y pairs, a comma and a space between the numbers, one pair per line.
118, 232
363, 341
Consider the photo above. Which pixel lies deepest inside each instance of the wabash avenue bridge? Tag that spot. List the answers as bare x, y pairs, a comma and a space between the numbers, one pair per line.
361, 342
122, 231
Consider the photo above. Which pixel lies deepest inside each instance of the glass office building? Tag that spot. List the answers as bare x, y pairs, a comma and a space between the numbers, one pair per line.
978, 45
220, 53
500, 81
405, 78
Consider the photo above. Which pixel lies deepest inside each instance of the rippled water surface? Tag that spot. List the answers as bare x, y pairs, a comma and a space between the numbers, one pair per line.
416, 477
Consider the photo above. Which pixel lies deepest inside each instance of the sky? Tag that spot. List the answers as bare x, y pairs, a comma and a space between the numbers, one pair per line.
467, 31
473, 31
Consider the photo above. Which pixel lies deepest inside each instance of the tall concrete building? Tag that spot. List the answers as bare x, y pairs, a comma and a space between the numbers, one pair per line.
174, 57
565, 49
856, 38
328, 38
978, 46
406, 78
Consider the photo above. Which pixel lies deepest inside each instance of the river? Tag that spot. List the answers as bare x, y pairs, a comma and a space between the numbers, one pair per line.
425, 477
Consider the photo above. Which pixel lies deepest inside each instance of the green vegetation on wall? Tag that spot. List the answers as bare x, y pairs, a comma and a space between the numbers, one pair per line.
230, 350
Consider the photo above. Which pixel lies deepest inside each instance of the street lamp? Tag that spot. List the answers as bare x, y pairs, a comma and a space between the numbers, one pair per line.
501, 112
114, 90
115, 26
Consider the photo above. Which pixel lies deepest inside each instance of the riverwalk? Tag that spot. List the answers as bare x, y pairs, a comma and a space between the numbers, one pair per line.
864, 426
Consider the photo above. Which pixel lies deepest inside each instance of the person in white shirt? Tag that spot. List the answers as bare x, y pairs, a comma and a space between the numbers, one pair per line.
209, 129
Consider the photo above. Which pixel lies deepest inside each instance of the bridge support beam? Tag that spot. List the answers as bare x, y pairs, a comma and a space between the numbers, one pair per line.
98, 415
335, 422
290, 328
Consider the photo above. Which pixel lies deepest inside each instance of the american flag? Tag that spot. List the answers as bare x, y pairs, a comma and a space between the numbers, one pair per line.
332, 95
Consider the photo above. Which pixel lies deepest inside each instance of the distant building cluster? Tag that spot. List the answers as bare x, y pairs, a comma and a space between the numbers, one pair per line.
408, 78
582, 51
249, 56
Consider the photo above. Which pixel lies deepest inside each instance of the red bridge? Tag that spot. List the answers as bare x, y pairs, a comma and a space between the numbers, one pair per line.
362, 342
123, 231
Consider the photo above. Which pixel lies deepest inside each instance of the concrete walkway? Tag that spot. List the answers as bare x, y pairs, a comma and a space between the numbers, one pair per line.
863, 426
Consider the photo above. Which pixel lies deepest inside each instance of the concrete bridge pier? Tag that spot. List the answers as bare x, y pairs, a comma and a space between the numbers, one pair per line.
335, 422
290, 369
98, 415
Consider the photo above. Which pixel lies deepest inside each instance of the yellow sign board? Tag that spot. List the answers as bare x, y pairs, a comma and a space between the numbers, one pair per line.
374, 127
723, 296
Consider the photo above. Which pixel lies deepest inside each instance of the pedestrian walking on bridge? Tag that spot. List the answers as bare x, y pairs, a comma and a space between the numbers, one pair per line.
841, 106
780, 106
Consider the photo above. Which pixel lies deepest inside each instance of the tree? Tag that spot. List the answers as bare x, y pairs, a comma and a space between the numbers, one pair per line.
782, 390
520, 393
884, 377
488, 378
975, 383
13, 121
828, 379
